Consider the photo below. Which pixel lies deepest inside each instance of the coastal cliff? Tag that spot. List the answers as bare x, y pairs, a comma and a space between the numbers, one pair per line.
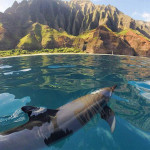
47, 24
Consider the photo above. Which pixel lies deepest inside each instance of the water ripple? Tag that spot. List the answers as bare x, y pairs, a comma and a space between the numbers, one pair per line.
12, 105
61, 66
119, 98
143, 87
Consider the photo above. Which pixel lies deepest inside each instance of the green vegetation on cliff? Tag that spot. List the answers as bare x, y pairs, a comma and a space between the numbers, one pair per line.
85, 35
29, 42
42, 36
17, 52
123, 32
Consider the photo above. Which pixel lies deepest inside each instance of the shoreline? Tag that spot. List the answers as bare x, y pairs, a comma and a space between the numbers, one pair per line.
44, 54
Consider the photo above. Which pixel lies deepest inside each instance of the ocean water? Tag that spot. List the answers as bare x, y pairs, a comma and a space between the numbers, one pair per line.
54, 80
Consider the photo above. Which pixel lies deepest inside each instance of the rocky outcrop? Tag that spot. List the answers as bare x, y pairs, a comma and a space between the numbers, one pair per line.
102, 40
143, 27
140, 44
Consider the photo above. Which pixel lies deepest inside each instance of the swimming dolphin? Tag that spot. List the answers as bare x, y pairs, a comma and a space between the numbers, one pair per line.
46, 126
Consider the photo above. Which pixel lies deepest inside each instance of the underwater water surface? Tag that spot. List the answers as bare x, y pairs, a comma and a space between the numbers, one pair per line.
53, 80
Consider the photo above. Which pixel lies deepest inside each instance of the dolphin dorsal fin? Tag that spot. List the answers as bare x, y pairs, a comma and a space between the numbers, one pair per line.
109, 116
35, 112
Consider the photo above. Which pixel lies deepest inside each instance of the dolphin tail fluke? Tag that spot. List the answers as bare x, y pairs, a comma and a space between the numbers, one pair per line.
109, 116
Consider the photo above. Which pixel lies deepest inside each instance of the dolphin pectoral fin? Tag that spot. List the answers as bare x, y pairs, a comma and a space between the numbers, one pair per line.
38, 111
109, 116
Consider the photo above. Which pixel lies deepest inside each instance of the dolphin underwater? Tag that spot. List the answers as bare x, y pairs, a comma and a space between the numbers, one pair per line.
46, 126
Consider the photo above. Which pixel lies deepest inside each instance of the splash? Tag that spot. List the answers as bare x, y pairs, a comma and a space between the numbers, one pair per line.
10, 108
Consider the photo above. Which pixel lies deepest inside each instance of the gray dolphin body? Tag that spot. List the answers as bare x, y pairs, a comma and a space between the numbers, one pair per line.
46, 126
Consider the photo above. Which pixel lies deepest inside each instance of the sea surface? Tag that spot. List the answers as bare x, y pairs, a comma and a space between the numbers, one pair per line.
54, 80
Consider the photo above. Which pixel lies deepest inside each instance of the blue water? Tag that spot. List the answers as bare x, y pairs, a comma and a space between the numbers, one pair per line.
52, 81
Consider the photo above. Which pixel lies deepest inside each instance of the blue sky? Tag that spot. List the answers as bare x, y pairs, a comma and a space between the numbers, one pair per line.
137, 9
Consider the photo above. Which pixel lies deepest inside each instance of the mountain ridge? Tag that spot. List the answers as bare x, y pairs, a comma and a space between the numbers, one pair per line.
74, 17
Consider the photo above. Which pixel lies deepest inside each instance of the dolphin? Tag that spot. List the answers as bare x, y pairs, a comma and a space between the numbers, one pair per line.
46, 126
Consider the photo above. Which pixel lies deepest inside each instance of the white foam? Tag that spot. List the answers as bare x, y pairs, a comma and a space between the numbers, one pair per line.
26, 70
146, 95
143, 87
147, 82
20, 119
5, 67
17, 72
8, 73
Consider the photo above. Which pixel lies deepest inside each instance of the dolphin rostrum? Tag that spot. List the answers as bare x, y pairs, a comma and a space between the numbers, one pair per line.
46, 126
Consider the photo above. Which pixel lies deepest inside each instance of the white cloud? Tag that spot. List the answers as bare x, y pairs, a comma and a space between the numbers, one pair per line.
135, 14
146, 16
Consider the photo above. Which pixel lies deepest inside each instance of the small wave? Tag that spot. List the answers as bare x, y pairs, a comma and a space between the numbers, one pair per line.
143, 87
58, 66
17, 116
17, 72
5, 67
10, 108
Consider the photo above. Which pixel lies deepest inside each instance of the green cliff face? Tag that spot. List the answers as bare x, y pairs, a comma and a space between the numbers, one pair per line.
42, 36
37, 24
